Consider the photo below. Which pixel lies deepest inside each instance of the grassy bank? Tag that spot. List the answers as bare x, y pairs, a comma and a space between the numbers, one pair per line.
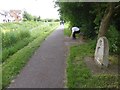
12, 65
79, 75
17, 35
67, 31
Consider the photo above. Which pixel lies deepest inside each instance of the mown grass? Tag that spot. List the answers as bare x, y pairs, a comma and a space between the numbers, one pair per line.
12, 66
80, 76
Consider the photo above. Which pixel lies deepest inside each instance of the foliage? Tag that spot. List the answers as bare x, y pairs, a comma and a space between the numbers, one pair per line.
67, 31
12, 37
39, 18
14, 32
113, 38
79, 14
56, 20
48, 20
27, 16
35, 18
87, 16
14, 48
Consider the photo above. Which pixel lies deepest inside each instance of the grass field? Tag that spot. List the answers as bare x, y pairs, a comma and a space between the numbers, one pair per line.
23, 48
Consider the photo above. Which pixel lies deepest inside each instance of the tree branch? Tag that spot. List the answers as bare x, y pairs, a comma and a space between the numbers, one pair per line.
117, 7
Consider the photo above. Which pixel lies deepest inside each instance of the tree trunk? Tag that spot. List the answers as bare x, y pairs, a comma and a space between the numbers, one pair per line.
105, 21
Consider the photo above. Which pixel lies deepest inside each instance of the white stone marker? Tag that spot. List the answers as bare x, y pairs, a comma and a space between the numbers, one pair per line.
102, 52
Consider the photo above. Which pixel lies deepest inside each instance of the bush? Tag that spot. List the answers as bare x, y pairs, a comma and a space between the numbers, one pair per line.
113, 38
88, 30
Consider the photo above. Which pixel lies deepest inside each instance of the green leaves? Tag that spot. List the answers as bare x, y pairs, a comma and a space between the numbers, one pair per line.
78, 13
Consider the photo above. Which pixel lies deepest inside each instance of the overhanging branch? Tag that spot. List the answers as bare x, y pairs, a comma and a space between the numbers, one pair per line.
117, 7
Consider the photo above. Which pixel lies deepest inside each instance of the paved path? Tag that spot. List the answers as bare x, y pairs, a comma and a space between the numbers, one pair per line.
46, 68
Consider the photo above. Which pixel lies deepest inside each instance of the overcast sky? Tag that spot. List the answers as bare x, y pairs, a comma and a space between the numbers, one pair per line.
43, 8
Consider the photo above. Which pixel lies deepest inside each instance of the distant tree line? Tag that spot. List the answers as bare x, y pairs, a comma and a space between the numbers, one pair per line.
28, 17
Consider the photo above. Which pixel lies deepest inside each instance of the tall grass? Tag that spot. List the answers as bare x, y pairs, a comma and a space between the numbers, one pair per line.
14, 32
12, 37
14, 48
17, 35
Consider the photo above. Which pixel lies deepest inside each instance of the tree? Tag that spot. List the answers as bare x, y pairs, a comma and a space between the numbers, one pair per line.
91, 17
39, 18
34, 18
79, 14
27, 16
109, 12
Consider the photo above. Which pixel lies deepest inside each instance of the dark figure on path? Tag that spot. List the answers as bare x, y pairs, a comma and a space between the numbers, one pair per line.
75, 30
61, 22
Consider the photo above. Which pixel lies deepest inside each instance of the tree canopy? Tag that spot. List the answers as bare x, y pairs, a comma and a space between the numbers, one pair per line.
28, 17
95, 19
89, 15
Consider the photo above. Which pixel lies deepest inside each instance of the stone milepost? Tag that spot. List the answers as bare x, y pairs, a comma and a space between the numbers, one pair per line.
102, 52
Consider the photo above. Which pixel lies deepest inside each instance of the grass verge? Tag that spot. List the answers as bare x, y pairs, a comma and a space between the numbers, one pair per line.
80, 76
14, 64
7, 52
67, 32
